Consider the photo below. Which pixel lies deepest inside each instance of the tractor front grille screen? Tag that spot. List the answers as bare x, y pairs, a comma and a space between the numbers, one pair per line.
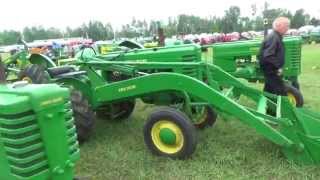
71, 132
192, 72
190, 58
293, 58
22, 141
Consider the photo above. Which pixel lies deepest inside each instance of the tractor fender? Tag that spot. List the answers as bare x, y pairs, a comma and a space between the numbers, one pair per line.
78, 84
41, 59
131, 44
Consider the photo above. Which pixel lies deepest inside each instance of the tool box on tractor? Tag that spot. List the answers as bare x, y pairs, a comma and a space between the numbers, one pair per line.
38, 138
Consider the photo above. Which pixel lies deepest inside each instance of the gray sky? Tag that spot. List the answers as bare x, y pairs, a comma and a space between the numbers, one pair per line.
16, 14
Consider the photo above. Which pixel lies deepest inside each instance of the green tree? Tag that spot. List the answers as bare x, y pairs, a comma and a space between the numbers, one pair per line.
28, 34
299, 19
9, 37
314, 21
96, 30
172, 27
54, 33
272, 14
231, 20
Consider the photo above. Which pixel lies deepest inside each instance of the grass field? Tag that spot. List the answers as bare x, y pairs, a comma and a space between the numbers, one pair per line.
229, 150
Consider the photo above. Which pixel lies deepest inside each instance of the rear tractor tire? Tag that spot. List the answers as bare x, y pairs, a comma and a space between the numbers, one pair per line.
116, 111
83, 114
170, 133
204, 117
34, 74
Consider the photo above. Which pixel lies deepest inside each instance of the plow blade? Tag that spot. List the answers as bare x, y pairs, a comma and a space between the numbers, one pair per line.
305, 133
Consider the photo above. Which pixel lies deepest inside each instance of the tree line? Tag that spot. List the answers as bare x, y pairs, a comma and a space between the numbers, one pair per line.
231, 21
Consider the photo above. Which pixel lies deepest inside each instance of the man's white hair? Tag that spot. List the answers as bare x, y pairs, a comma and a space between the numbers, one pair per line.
279, 21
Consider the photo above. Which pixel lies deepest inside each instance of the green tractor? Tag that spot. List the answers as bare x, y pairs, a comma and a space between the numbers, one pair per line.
37, 133
20, 59
179, 53
240, 59
20, 65
187, 95
315, 35
237, 58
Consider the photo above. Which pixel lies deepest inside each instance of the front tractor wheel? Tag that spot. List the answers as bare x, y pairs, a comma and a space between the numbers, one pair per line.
170, 133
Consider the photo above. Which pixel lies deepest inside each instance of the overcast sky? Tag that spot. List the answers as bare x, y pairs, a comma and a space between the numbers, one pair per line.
16, 14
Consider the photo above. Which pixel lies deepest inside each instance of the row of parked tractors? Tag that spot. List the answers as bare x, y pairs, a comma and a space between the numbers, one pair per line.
189, 85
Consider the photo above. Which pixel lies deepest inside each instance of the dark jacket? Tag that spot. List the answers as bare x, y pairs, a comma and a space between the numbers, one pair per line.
272, 50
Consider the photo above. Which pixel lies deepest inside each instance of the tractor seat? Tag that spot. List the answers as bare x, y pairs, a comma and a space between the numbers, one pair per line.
55, 71
64, 72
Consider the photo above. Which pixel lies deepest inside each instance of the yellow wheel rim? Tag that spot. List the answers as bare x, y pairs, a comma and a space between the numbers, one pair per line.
158, 141
292, 99
29, 80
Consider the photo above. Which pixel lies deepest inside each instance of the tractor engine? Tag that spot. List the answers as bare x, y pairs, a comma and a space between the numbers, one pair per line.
37, 134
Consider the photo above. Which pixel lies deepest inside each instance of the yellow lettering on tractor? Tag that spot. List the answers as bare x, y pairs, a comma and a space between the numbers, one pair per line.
51, 101
128, 88
254, 49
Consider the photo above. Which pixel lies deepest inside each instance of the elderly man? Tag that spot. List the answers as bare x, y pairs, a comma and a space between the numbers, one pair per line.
272, 57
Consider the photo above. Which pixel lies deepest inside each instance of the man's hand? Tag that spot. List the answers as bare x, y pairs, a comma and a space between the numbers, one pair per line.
279, 72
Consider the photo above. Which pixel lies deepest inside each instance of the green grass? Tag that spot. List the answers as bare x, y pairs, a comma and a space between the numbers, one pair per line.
229, 150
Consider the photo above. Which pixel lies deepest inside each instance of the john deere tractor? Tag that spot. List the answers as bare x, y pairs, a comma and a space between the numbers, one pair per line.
315, 35
237, 58
20, 59
187, 95
240, 59
38, 137
12, 71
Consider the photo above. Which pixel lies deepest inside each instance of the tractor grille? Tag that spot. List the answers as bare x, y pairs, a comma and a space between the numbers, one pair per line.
293, 59
71, 132
23, 145
189, 58
192, 72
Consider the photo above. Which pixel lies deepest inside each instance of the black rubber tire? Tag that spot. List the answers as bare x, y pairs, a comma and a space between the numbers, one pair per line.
179, 119
209, 119
83, 115
36, 73
296, 93
296, 84
121, 110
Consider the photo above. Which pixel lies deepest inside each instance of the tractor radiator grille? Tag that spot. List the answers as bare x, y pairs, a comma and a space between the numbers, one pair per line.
294, 57
71, 132
192, 72
190, 58
23, 145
